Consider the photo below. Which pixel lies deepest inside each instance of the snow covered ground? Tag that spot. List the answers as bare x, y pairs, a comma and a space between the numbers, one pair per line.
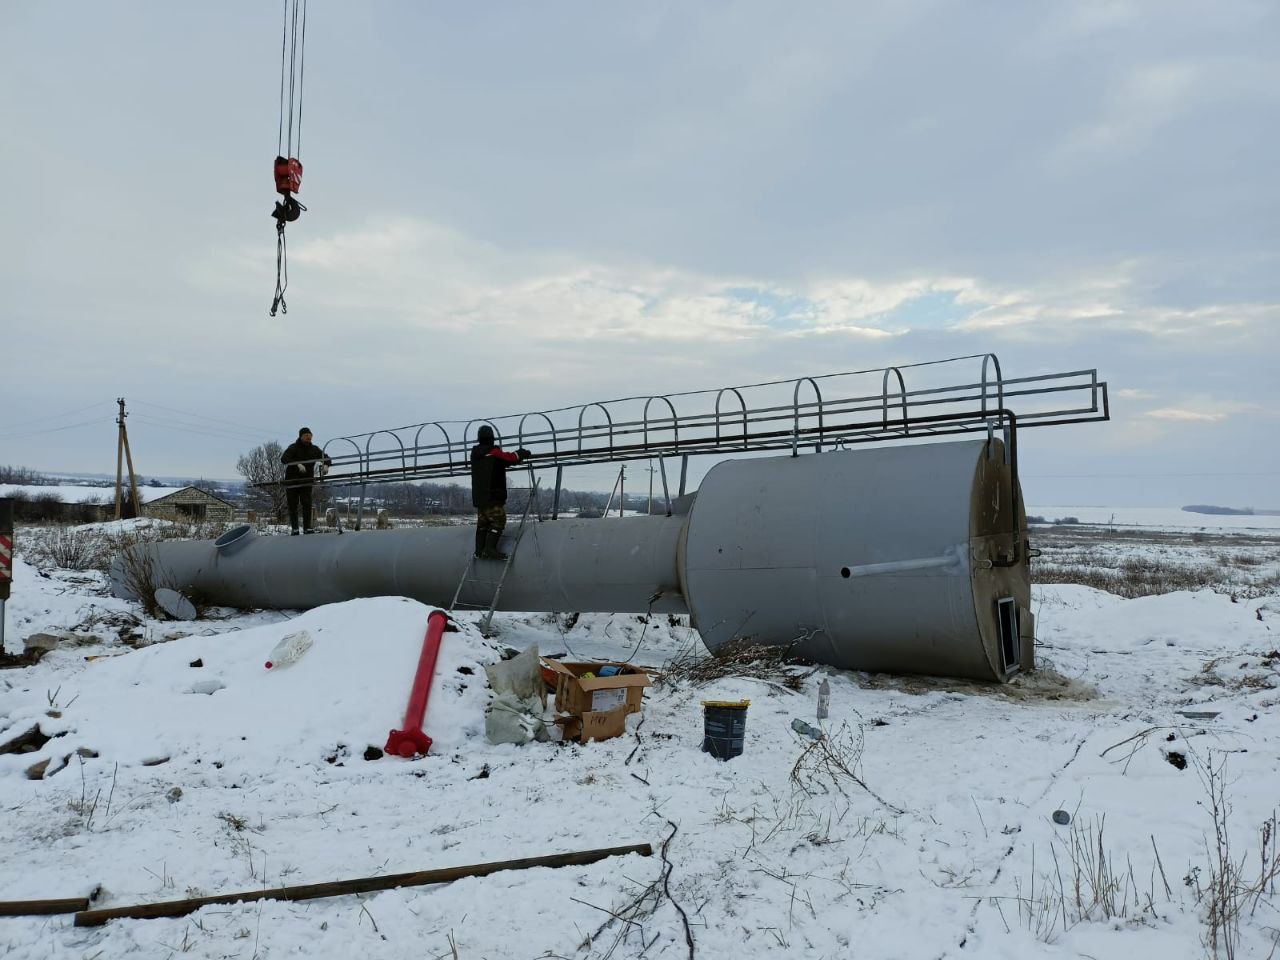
1161, 518
924, 831
72, 493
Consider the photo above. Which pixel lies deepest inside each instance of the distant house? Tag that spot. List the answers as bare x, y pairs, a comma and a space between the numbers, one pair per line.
189, 503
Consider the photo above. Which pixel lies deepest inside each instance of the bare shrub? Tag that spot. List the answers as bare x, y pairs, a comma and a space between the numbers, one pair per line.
834, 762
774, 665
67, 548
1232, 888
139, 577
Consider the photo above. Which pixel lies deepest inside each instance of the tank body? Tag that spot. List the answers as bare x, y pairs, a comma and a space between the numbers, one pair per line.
890, 559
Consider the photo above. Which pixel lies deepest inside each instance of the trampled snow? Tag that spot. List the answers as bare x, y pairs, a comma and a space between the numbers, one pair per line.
926, 846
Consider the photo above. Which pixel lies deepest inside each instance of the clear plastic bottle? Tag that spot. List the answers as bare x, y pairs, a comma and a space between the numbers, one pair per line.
289, 650
824, 699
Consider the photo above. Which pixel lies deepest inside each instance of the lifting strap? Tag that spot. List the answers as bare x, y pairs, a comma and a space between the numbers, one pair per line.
287, 168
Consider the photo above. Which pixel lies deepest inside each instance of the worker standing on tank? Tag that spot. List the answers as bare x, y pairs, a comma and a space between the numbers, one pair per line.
301, 458
489, 464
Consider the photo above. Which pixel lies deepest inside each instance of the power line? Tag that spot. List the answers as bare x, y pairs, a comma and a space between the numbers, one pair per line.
70, 426
201, 416
57, 416
189, 428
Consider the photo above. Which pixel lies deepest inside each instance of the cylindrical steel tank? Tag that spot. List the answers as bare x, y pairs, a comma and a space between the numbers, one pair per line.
891, 559
906, 559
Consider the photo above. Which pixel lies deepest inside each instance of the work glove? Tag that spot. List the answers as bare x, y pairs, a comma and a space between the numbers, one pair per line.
523, 454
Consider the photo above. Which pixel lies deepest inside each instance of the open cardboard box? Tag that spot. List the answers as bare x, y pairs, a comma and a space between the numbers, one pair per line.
597, 706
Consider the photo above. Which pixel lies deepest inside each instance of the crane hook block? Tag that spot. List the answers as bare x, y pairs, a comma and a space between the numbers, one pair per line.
288, 175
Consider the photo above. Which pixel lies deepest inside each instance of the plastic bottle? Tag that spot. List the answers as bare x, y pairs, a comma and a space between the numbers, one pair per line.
289, 650
824, 699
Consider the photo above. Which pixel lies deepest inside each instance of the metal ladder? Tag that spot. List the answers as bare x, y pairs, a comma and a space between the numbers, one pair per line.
487, 619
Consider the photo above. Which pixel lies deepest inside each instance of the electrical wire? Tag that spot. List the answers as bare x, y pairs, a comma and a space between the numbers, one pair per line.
189, 428
58, 416
70, 426
201, 416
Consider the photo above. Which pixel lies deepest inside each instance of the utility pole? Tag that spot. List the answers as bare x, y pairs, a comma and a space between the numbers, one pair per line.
652, 468
123, 453
622, 489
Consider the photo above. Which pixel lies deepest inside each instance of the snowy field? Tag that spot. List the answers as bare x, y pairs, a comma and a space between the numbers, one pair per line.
922, 828
1162, 518
72, 493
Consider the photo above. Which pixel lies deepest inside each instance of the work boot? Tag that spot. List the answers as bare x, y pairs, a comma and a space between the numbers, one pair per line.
480, 536
491, 551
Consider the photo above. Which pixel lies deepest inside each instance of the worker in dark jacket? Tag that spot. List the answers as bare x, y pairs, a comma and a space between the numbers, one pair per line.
489, 491
301, 458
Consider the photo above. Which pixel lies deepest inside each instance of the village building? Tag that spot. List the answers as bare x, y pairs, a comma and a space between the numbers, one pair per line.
189, 504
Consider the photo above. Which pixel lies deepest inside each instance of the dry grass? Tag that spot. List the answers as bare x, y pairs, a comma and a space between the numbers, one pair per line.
1140, 564
1088, 883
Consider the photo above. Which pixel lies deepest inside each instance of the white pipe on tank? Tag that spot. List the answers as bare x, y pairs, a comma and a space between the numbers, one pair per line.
951, 559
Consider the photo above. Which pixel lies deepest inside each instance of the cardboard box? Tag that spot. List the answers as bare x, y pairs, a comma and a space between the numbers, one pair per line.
597, 706
594, 726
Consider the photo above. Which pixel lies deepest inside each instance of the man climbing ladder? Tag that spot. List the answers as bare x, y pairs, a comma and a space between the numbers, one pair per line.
489, 464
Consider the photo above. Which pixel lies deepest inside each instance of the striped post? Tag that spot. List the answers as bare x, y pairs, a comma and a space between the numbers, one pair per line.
6, 559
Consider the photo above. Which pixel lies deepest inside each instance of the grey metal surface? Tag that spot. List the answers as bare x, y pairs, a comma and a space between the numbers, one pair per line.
175, 604
867, 558
562, 565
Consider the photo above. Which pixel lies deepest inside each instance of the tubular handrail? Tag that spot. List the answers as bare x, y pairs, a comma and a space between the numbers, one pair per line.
999, 382
404, 462
582, 412
551, 430
737, 393
675, 420
795, 401
902, 392
417, 446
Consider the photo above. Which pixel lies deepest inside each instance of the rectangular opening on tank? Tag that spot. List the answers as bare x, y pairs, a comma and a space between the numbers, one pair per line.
1010, 641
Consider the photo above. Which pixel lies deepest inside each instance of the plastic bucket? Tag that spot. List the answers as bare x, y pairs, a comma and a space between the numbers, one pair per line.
724, 727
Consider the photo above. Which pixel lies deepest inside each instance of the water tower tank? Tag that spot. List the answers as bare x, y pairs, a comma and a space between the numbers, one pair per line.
906, 559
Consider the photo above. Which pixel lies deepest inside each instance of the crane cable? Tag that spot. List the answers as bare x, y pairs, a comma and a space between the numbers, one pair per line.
288, 168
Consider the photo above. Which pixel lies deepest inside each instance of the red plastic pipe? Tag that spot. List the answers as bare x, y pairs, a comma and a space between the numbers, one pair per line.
411, 741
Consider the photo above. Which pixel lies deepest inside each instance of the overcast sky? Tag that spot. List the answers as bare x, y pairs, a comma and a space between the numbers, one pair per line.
515, 206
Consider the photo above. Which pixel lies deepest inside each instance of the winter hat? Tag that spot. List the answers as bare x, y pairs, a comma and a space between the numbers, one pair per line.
304, 430
485, 434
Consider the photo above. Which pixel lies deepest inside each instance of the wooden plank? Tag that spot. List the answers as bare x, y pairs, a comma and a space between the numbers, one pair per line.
338, 888
28, 908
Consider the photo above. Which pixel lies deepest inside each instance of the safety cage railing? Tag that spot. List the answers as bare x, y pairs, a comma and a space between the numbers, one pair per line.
936, 398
